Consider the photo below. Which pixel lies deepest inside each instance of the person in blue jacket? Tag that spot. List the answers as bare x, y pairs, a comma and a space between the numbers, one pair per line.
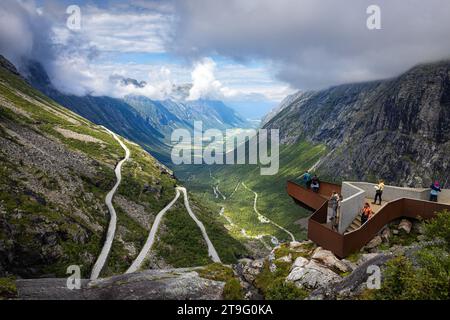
435, 189
307, 179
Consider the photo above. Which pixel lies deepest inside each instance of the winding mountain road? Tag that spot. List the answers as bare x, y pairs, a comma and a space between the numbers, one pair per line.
137, 263
151, 237
263, 218
99, 264
211, 250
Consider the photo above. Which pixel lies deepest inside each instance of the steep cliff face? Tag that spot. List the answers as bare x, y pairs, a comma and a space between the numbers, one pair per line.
396, 129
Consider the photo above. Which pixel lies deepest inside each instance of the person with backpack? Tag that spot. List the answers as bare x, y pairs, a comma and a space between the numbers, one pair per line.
366, 213
435, 189
378, 192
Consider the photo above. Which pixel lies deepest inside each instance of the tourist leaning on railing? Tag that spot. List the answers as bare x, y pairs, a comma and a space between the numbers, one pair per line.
315, 184
435, 189
307, 179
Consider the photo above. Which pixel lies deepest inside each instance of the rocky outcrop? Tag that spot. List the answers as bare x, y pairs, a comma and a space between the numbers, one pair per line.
172, 284
397, 129
312, 275
250, 269
352, 285
328, 259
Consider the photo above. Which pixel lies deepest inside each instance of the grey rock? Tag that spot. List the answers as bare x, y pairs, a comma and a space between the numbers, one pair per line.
375, 242
366, 257
405, 225
175, 284
328, 259
287, 259
300, 262
311, 276
386, 234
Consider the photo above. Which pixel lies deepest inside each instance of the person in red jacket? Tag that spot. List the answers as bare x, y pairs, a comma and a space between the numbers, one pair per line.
366, 213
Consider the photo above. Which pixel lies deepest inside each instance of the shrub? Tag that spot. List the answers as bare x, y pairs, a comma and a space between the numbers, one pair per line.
233, 290
439, 228
429, 276
282, 290
397, 278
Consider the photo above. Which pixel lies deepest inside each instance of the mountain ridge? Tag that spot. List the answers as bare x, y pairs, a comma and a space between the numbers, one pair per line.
367, 125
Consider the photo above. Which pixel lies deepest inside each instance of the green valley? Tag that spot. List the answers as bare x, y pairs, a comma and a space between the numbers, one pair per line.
238, 201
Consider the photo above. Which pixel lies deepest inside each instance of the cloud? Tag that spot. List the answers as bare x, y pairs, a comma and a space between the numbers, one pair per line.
124, 31
314, 43
82, 62
205, 84
24, 32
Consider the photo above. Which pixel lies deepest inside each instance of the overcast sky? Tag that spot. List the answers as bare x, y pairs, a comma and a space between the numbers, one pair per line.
235, 50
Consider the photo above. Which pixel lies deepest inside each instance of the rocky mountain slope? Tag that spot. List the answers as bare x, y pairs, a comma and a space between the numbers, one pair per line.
55, 171
397, 129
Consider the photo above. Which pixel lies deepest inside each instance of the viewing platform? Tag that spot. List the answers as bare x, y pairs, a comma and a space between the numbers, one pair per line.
350, 235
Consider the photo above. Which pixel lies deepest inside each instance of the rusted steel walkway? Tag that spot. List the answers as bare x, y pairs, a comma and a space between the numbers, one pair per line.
344, 244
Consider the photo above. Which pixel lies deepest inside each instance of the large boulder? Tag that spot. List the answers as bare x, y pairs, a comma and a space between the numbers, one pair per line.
386, 234
328, 259
375, 242
312, 276
405, 225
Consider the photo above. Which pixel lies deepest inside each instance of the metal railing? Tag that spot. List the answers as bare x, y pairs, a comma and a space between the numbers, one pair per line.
344, 244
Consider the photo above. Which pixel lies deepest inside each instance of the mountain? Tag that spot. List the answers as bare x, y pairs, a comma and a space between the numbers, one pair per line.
157, 115
284, 104
171, 114
56, 169
396, 129
112, 113
147, 122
